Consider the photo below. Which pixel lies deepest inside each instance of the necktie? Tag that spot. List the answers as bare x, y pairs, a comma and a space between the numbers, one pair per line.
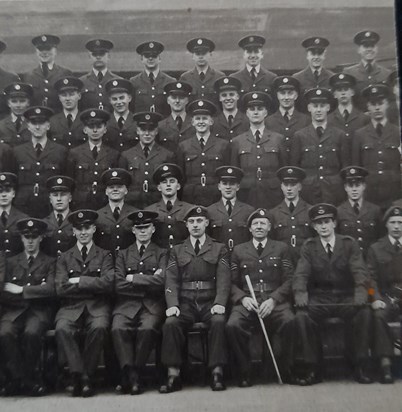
286, 116
120, 122
95, 152
142, 250
202, 76
169, 206
30, 261
356, 208
4, 218
260, 248
202, 143
116, 213
18, 124
397, 246
320, 131
229, 207
197, 247
329, 250
84, 253
59, 219
253, 74
346, 115
45, 69
151, 78
291, 207
316, 75
230, 121
369, 68
257, 136
38, 149
100, 77
146, 150
378, 129
69, 120
179, 122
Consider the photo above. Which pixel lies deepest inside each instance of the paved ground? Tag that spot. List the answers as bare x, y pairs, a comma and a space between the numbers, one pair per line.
325, 397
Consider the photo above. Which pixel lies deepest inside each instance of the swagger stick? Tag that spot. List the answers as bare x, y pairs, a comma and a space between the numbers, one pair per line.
264, 330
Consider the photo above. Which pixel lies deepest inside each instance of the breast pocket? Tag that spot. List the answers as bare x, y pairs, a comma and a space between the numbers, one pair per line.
214, 161
192, 165
309, 157
50, 170
331, 157
82, 173
25, 174
271, 158
246, 158
369, 155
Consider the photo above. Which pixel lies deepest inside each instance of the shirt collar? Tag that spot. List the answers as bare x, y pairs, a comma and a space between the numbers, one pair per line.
227, 114
141, 244
393, 240
64, 214
256, 242
331, 242
319, 70
155, 72
352, 202
283, 111
172, 199
176, 115
149, 145
41, 141
341, 108
80, 246
14, 117
257, 68
202, 71
201, 239
7, 209
206, 137
383, 122
232, 201
124, 116
96, 72
73, 113
323, 125
50, 65
295, 202
91, 145
34, 256
113, 205
254, 129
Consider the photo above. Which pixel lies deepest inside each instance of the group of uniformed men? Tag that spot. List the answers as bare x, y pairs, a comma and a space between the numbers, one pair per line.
145, 223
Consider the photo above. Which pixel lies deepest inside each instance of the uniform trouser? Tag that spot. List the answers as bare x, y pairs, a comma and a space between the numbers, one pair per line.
383, 338
238, 330
21, 344
95, 330
144, 329
175, 328
307, 334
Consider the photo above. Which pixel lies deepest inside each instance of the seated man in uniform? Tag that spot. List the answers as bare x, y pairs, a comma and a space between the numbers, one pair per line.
113, 227
197, 289
138, 314
228, 216
289, 220
330, 280
59, 235
177, 126
268, 264
384, 262
84, 285
356, 216
170, 226
26, 313
66, 127
13, 128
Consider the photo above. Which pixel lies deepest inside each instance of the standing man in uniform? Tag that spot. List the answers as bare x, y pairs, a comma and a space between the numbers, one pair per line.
230, 122
113, 224
66, 127
94, 94
287, 120
87, 162
289, 220
138, 313
376, 147
384, 262
121, 128
26, 314
197, 288
228, 216
199, 155
10, 239
346, 116
36, 161
13, 127
143, 159
170, 225
259, 152
321, 150
177, 126
149, 84
357, 217
59, 236
84, 285
254, 77
269, 266
43, 77
330, 271
315, 74
202, 78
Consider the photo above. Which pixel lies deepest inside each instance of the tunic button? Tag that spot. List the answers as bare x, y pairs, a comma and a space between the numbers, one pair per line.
95, 172
258, 146
260, 270
153, 96
321, 177
258, 157
117, 237
37, 173
202, 154
202, 87
359, 230
58, 241
100, 94
96, 164
202, 164
293, 227
46, 81
46, 90
379, 152
29, 275
146, 172
260, 261
321, 156
169, 217
28, 284
59, 231
100, 86
146, 164
357, 221
230, 220
169, 226
141, 263
38, 163
6, 231
69, 133
359, 239
320, 145
117, 226
287, 128
346, 124
229, 230
292, 218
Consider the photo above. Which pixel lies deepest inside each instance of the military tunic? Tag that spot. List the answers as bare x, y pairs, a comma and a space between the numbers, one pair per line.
169, 135
64, 135
10, 238
262, 83
9, 134
6, 78
143, 191
221, 128
260, 186
58, 238
140, 305
308, 81
124, 138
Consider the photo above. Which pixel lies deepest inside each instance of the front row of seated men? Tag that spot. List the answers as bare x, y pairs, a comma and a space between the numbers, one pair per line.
199, 281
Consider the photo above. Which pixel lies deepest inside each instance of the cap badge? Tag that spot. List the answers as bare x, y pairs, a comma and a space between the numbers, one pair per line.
179, 85
318, 92
374, 90
114, 173
230, 170
226, 80
199, 41
151, 45
285, 80
341, 76
147, 117
17, 87
97, 42
80, 215
290, 171
165, 168
251, 38
352, 171
321, 211
255, 96
200, 104
396, 211
44, 38
92, 114
37, 111
140, 215
65, 81
30, 223
198, 210
59, 181
367, 34
115, 83
317, 41
262, 213
2, 177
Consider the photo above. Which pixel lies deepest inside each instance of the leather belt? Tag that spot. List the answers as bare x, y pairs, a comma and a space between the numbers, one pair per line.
262, 287
198, 285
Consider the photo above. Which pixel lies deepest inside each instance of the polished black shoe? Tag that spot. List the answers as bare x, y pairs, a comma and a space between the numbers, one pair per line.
173, 384
12, 388
245, 382
306, 380
217, 383
136, 388
386, 375
38, 390
87, 389
361, 376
